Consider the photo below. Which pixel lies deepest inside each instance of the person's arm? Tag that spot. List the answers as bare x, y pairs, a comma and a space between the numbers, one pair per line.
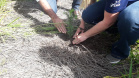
59, 23
108, 20
80, 29
45, 5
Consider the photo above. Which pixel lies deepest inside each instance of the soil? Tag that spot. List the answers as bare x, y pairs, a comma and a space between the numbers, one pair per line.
42, 55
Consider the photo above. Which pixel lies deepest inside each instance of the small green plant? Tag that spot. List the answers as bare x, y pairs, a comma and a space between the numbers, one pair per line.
2, 4
134, 56
135, 52
6, 30
46, 29
70, 23
130, 74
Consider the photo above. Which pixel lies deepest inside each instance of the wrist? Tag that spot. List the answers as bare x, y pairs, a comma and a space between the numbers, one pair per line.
54, 17
87, 35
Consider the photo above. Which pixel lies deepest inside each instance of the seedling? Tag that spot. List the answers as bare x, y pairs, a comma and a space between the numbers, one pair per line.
70, 23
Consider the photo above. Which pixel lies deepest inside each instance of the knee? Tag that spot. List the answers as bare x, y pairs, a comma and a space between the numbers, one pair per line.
129, 15
85, 17
127, 20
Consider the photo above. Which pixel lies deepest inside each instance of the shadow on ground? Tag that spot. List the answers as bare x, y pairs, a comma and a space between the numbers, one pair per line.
33, 11
82, 64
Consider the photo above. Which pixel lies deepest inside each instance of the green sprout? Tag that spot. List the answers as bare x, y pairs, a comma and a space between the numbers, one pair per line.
70, 23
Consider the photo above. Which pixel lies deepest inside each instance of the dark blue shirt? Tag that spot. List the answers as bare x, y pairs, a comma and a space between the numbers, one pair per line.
113, 6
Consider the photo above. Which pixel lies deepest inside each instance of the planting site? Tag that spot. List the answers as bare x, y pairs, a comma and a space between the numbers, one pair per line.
36, 50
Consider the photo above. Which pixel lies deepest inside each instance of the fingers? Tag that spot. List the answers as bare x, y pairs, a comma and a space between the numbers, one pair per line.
61, 28
76, 41
77, 33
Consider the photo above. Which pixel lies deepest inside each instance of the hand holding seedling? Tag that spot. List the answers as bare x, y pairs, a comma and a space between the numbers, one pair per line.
80, 29
80, 38
59, 24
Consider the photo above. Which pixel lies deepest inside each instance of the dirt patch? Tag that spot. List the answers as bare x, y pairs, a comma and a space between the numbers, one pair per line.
42, 55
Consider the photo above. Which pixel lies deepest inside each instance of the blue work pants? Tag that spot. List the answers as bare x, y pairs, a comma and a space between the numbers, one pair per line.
127, 24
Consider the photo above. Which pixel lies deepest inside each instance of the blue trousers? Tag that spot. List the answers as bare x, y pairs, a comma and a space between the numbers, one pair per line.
127, 24
75, 4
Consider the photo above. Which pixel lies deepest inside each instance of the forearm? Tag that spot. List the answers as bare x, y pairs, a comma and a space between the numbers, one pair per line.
109, 20
45, 5
101, 26
82, 23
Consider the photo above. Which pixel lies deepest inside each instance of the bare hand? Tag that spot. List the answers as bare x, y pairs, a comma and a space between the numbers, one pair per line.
80, 38
79, 30
59, 24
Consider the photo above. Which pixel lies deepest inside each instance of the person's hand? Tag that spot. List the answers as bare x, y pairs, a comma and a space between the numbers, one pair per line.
59, 24
79, 31
80, 38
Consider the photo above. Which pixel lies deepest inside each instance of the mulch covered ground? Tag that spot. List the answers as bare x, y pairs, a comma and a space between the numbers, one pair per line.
42, 55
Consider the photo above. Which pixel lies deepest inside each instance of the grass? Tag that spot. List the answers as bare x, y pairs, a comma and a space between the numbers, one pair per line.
46, 29
6, 30
135, 52
134, 60
2, 3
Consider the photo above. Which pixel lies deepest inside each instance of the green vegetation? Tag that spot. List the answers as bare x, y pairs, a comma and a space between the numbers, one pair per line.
134, 54
6, 30
46, 29
50, 29
134, 60
2, 4
70, 23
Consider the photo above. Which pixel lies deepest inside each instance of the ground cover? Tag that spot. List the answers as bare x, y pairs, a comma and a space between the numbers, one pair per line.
36, 50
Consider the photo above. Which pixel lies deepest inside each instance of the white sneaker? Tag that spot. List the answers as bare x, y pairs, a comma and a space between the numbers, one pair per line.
112, 59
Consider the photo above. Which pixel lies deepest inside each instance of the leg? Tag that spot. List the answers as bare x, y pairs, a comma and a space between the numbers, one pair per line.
128, 26
76, 4
52, 3
94, 13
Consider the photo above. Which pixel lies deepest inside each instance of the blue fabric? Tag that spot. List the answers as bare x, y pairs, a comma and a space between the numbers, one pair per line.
94, 13
52, 3
76, 4
128, 26
113, 6
127, 23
